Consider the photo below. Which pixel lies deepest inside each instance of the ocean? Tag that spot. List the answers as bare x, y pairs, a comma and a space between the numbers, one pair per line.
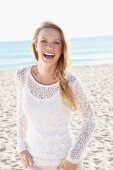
83, 51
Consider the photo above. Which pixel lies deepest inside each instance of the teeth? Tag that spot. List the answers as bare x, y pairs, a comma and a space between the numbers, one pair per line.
48, 54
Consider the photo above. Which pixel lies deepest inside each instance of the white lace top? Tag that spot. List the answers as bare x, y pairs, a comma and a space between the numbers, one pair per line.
43, 120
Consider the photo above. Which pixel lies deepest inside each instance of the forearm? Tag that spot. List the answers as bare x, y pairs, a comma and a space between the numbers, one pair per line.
76, 153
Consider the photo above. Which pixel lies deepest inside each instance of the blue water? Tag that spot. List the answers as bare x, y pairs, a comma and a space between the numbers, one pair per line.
87, 50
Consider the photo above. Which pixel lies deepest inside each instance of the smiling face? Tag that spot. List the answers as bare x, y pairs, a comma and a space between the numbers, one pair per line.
49, 45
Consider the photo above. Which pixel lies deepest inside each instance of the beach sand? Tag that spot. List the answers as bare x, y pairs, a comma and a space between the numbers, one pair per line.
98, 82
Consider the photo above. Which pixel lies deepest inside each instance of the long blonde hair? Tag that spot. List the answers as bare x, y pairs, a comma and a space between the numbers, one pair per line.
63, 63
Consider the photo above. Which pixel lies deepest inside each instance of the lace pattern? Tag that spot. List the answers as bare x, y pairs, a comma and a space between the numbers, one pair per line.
87, 125
43, 92
21, 118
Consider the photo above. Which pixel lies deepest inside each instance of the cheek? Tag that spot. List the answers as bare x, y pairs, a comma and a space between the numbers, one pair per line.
59, 50
40, 48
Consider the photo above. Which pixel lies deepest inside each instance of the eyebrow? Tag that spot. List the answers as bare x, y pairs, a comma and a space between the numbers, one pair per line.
54, 39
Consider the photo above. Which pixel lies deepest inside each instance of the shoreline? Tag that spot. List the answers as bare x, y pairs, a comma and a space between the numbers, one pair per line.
72, 65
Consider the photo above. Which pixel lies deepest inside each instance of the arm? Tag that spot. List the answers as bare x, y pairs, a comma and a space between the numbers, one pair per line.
21, 148
87, 125
21, 118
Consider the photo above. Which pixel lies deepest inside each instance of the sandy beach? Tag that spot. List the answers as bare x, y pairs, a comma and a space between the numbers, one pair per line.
98, 82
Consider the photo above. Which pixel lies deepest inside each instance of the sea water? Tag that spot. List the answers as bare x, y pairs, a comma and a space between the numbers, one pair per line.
86, 50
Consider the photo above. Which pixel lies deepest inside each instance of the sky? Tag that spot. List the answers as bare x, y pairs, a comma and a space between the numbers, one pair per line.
77, 18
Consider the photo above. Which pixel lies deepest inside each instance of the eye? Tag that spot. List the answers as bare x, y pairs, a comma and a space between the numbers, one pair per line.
43, 41
56, 42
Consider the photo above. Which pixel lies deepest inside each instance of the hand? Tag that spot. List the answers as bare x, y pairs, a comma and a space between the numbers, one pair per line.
67, 165
26, 158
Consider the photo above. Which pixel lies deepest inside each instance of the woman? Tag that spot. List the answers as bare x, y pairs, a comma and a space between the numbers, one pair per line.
47, 95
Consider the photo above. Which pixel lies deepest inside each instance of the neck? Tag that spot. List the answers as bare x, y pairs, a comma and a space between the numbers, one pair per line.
46, 72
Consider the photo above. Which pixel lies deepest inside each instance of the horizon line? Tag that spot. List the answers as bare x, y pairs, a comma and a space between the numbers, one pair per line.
77, 37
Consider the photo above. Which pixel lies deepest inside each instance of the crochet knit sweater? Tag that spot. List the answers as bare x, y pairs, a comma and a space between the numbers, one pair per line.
43, 120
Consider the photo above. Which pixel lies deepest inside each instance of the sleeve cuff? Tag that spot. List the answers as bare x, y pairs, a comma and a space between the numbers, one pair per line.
75, 161
20, 149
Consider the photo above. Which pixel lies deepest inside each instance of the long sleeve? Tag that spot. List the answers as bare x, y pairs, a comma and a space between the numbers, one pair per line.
87, 125
21, 120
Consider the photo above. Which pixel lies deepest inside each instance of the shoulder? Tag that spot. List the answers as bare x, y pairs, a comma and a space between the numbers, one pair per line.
20, 74
76, 84
74, 81
72, 77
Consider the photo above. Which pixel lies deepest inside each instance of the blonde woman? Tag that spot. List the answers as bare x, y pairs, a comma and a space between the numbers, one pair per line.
47, 95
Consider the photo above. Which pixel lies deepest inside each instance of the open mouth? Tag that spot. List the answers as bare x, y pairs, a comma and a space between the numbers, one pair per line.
48, 55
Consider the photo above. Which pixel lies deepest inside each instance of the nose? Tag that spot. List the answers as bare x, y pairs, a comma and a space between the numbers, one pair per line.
50, 46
